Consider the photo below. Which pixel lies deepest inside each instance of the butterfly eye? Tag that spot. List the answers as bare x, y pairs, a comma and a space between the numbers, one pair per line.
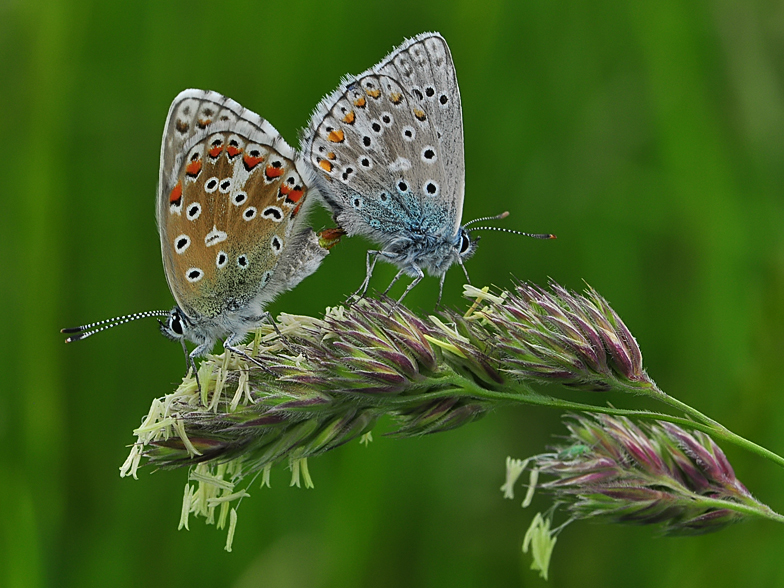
175, 324
465, 243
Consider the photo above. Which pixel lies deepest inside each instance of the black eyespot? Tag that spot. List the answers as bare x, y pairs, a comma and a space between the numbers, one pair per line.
429, 154
211, 184
365, 162
431, 188
182, 243
443, 99
402, 186
383, 196
386, 119
429, 91
376, 127
357, 202
242, 261
366, 141
418, 94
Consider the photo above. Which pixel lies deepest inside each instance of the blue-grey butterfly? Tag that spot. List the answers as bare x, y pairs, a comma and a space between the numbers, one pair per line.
231, 209
387, 147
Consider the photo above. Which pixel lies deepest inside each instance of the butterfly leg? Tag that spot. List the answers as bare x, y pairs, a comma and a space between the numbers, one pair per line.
414, 282
370, 265
441, 289
191, 359
267, 316
227, 345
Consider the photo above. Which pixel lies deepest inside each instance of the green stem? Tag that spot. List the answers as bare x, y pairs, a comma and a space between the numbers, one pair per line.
755, 509
458, 383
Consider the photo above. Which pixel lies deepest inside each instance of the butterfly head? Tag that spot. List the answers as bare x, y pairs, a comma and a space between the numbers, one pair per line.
176, 325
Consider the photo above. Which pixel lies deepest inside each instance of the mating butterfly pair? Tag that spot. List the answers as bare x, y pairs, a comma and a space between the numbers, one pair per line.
384, 152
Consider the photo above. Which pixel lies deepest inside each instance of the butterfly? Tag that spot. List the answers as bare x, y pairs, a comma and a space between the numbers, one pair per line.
231, 210
387, 147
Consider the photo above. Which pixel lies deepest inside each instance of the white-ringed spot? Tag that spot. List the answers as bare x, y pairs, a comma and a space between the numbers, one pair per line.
181, 243
214, 237
429, 154
431, 188
193, 274
277, 245
402, 187
221, 259
211, 185
386, 119
242, 261
273, 213
365, 162
249, 213
409, 133
225, 185
376, 127
239, 198
357, 202
266, 276
193, 212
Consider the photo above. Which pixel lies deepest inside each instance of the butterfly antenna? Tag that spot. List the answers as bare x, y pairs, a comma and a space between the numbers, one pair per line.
534, 235
485, 218
92, 328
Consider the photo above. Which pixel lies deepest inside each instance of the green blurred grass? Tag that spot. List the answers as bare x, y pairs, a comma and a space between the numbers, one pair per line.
646, 135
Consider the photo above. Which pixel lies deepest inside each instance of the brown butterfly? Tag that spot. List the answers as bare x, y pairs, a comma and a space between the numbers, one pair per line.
230, 209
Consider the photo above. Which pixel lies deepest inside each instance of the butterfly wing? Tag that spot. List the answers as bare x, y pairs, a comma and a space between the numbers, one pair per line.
230, 207
388, 145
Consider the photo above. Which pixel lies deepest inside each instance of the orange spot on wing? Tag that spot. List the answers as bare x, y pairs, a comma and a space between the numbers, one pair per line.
336, 136
420, 114
350, 118
295, 195
360, 102
274, 172
176, 194
251, 162
325, 165
285, 189
296, 210
233, 151
331, 155
215, 151
193, 168
374, 93
396, 97
203, 122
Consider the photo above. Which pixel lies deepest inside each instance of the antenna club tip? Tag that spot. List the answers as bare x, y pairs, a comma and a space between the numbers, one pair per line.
504, 214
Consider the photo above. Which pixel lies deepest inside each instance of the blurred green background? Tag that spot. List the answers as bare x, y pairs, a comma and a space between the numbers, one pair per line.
646, 135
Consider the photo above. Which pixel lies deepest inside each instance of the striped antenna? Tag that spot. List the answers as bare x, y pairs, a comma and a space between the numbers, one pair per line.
499, 217
484, 218
91, 329
534, 235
